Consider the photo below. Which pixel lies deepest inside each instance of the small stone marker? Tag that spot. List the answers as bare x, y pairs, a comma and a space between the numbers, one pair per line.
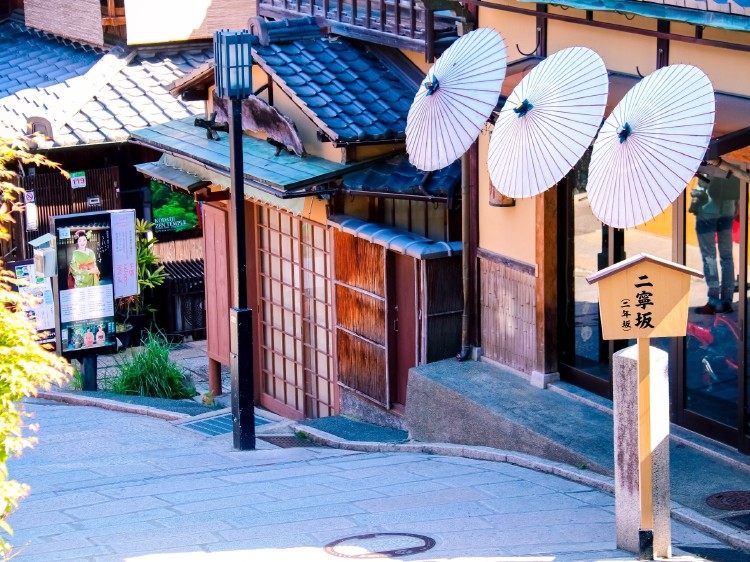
642, 297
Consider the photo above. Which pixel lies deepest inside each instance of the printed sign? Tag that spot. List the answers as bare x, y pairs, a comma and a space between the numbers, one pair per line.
28, 197
172, 211
77, 180
125, 269
42, 312
84, 282
643, 297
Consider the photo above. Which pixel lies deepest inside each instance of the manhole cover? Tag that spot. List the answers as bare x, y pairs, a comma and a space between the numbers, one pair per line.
380, 545
217, 425
730, 501
288, 441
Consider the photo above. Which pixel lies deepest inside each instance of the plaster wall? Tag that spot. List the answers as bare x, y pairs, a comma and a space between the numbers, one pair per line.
84, 23
161, 21
306, 127
508, 231
726, 68
622, 52
516, 29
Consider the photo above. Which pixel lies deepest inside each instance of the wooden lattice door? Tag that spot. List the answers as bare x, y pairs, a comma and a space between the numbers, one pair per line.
295, 315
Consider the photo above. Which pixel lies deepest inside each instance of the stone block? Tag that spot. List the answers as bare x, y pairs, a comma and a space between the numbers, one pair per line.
627, 477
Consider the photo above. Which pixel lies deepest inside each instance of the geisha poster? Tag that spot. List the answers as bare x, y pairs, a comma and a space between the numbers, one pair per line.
84, 282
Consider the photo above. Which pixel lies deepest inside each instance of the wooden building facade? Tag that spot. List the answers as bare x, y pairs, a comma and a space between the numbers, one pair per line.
348, 246
534, 312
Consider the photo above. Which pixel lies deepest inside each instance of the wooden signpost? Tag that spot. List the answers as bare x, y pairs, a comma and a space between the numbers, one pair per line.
641, 298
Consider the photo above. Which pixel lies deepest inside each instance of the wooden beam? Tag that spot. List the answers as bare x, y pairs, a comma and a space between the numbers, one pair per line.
546, 281
113, 21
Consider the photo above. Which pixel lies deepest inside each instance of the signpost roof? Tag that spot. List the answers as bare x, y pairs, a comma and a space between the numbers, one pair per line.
625, 264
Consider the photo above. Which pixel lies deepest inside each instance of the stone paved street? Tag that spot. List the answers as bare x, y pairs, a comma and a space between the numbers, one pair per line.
114, 486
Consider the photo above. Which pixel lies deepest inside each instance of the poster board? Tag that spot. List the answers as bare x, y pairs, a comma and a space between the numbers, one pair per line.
39, 288
124, 263
83, 288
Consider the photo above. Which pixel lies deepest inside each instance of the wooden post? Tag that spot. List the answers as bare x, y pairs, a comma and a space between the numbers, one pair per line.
214, 377
644, 450
640, 298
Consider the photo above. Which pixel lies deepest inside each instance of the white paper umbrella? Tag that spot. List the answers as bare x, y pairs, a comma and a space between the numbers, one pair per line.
650, 147
456, 99
548, 122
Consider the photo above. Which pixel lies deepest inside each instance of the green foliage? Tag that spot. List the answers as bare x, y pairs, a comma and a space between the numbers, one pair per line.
150, 372
76, 381
150, 273
173, 211
26, 365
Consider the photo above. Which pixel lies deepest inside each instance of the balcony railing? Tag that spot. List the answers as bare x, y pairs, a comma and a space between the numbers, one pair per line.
405, 24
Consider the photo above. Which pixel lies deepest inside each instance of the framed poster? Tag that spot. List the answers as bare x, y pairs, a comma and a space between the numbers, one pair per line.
83, 288
40, 288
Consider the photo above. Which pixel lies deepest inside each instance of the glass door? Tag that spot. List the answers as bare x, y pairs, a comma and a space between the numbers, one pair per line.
713, 388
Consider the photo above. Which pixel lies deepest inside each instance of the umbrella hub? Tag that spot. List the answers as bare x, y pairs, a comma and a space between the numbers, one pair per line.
624, 133
432, 85
523, 108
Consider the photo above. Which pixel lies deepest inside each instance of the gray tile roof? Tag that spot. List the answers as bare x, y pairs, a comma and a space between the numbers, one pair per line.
278, 173
352, 94
399, 177
38, 72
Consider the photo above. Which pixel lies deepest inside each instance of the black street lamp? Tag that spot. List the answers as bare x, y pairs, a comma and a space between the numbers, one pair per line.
233, 78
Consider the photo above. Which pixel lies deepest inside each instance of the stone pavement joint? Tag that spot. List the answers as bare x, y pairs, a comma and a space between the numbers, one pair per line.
725, 533
148, 495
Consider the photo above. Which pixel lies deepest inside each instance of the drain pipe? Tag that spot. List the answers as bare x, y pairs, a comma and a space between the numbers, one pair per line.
465, 352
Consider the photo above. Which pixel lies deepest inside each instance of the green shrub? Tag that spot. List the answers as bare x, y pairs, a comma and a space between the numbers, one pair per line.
150, 372
26, 365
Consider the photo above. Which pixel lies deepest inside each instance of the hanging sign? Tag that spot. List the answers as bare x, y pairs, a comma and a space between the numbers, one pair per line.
78, 180
643, 297
124, 264
84, 282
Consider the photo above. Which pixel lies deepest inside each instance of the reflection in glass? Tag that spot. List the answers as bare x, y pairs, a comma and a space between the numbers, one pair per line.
712, 247
590, 353
590, 254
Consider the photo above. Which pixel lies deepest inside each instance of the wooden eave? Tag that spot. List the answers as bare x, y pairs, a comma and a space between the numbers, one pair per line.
199, 80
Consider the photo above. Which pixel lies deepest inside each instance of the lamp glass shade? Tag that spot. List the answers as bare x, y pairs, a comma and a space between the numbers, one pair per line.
233, 64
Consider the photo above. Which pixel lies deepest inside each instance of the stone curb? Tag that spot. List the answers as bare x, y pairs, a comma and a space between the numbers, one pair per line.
77, 400
725, 533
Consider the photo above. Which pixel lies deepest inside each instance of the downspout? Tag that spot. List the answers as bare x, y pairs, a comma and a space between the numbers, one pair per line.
465, 352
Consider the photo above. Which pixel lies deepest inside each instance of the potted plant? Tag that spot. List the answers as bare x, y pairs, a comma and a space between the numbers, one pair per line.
135, 310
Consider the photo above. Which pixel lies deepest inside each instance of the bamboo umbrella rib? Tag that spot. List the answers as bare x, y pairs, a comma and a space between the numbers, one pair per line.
444, 122
532, 150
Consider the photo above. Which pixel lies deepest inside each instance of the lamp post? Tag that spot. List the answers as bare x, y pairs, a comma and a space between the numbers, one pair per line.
233, 79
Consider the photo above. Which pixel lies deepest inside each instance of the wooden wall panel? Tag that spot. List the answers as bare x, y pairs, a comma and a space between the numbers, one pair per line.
444, 307
161, 21
359, 263
217, 282
54, 196
360, 313
80, 20
362, 366
508, 314
179, 250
